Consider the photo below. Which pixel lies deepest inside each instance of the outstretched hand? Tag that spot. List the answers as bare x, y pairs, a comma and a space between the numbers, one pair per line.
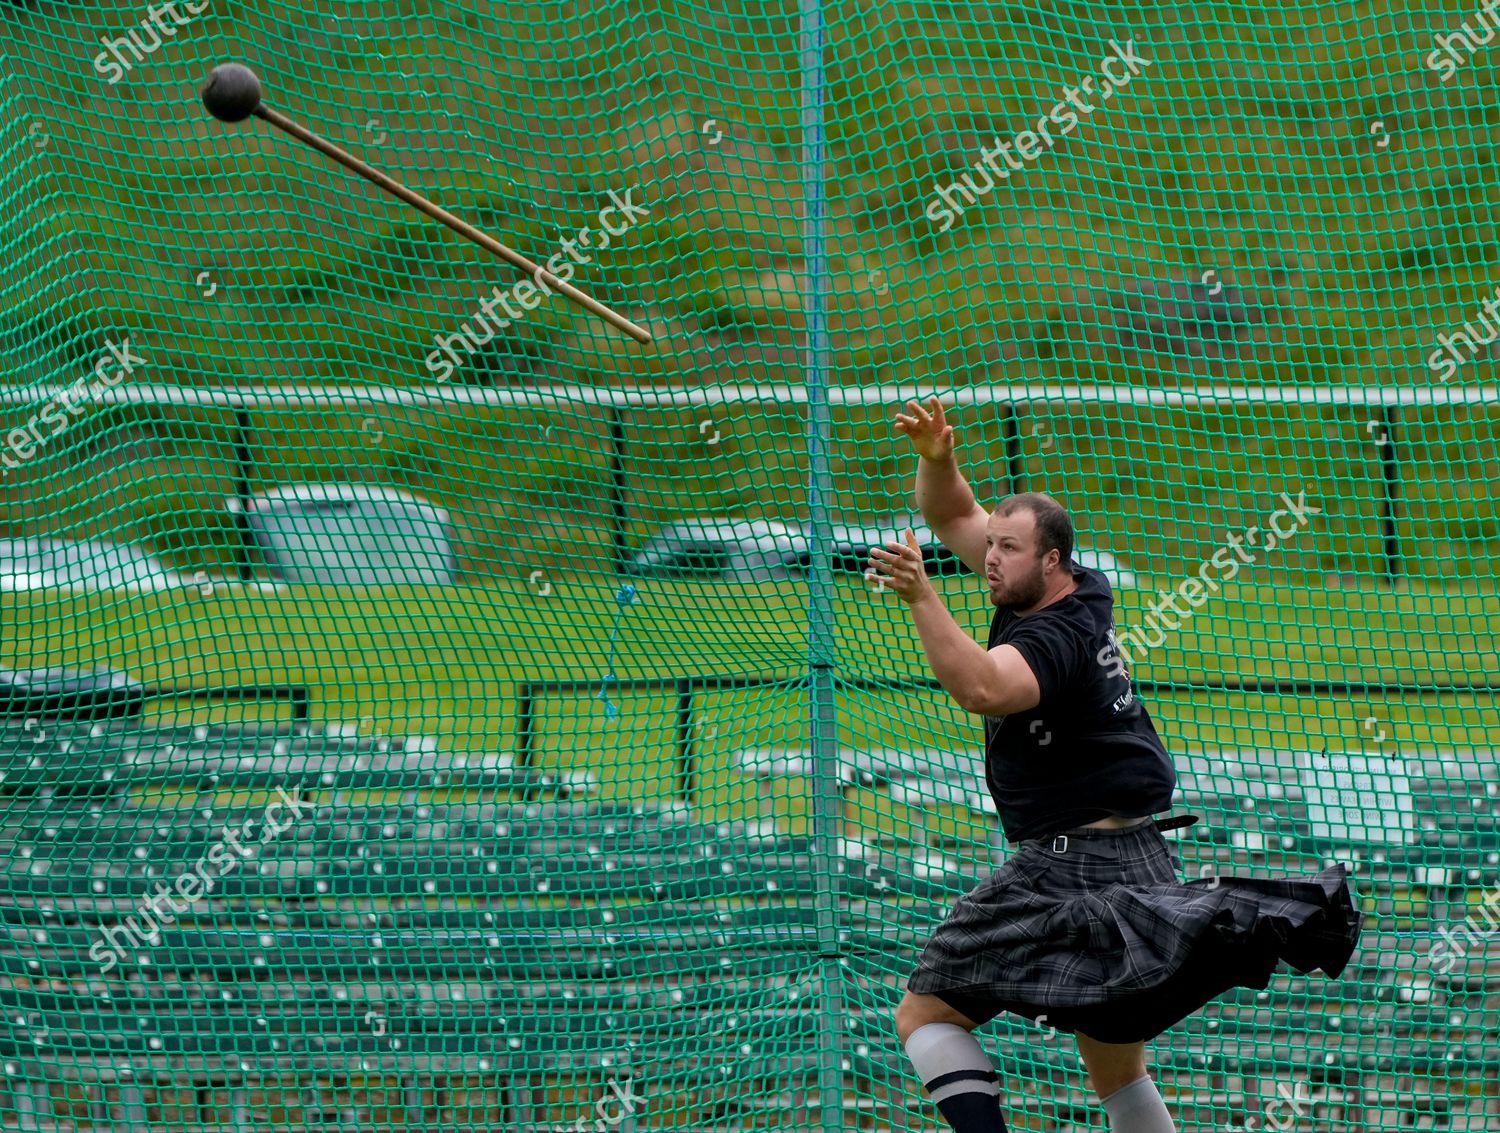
927, 429
899, 567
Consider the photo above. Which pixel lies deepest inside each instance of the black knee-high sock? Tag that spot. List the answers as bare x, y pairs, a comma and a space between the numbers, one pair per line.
958, 1076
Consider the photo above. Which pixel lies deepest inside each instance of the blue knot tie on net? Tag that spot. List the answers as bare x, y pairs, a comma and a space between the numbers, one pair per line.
624, 596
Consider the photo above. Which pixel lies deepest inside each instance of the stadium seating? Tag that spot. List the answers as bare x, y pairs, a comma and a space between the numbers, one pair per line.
420, 945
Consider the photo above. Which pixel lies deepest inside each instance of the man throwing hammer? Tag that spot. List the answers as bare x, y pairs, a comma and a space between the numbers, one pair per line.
1088, 922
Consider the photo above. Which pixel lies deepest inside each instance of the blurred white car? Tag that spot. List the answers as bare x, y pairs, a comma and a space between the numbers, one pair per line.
726, 549
345, 534
722, 550
82, 564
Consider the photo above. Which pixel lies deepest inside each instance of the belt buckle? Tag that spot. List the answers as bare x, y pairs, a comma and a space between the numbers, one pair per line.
1063, 849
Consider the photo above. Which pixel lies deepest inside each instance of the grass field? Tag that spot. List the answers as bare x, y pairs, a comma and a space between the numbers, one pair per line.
447, 664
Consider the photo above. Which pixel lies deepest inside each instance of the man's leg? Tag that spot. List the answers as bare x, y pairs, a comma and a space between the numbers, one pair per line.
958, 1075
1117, 1072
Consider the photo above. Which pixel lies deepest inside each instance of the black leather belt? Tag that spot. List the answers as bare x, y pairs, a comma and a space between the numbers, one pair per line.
1175, 822
1060, 842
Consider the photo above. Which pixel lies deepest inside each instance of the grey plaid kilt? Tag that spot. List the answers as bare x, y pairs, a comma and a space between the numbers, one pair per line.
1104, 938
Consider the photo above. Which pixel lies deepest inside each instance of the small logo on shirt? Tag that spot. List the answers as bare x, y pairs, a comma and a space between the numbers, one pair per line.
1123, 701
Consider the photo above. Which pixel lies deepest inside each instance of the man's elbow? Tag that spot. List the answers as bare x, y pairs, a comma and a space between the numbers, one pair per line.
986, 702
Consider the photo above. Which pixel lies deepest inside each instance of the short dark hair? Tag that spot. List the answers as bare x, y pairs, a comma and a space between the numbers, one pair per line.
1054, 528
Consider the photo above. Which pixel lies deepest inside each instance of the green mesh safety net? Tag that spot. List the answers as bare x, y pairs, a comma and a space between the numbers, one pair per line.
423, 706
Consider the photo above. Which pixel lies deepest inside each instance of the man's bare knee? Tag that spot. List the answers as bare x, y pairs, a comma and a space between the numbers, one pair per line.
918, 1010
1111, 1066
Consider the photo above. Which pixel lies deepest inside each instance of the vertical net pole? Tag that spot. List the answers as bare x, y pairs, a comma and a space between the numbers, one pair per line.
826, 809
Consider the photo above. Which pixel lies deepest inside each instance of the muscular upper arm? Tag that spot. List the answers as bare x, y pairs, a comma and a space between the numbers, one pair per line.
1010, 685
965, 538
